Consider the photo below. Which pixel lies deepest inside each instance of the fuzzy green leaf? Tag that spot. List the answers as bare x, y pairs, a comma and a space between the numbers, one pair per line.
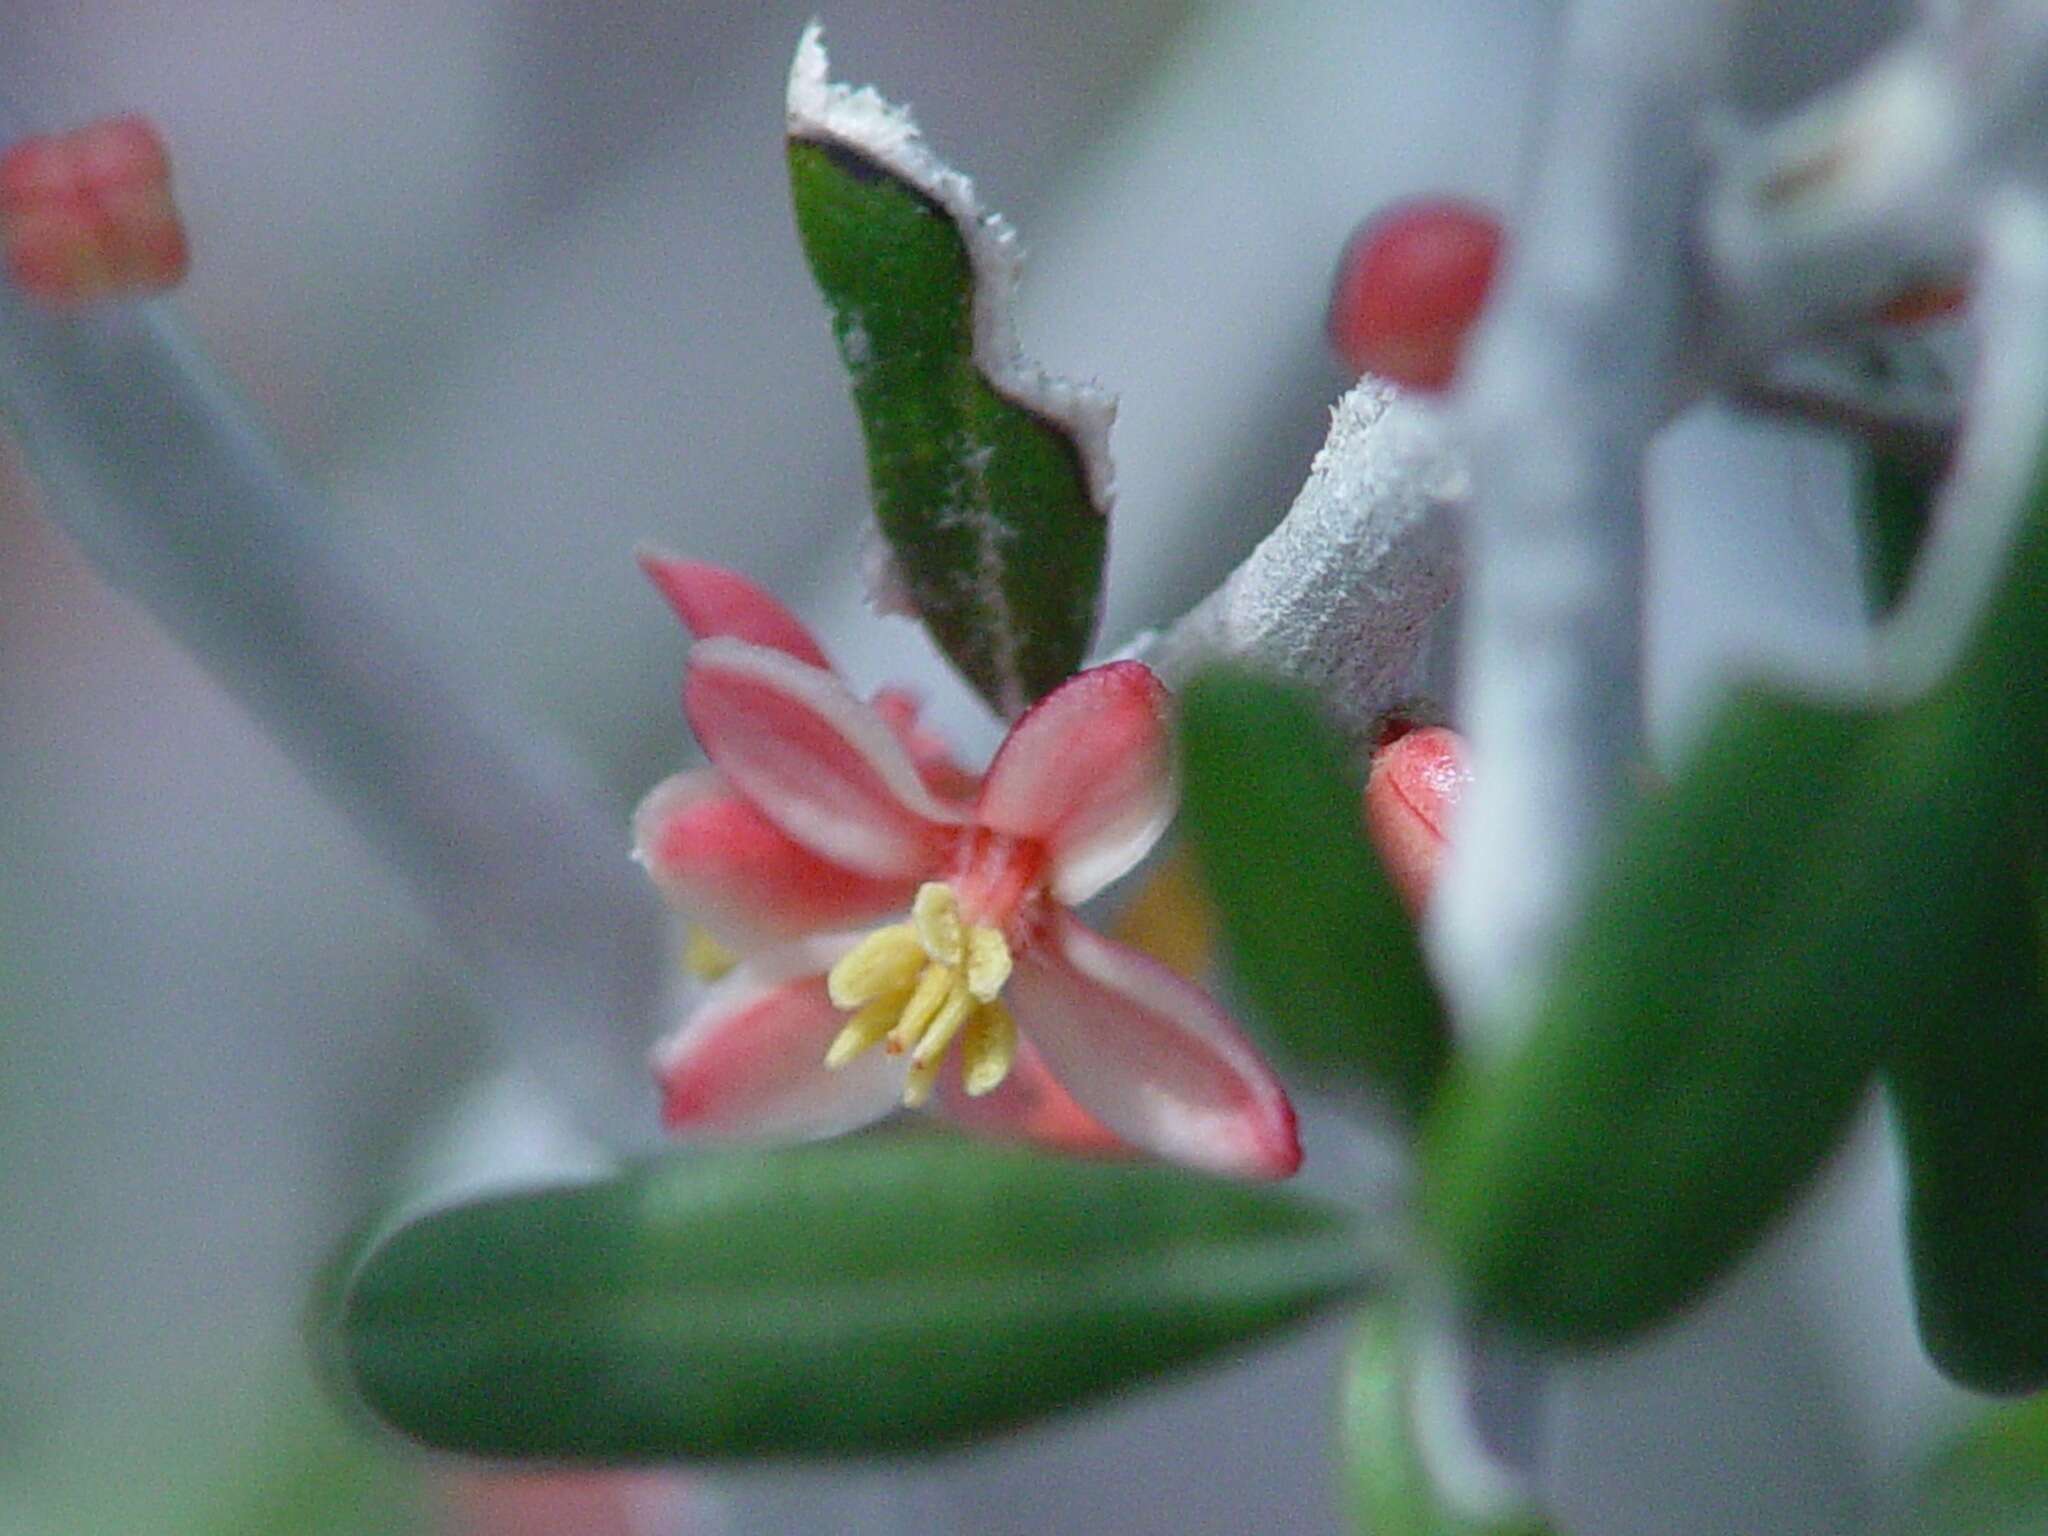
895, 1295
1317, 936
996, 536
1387, 1487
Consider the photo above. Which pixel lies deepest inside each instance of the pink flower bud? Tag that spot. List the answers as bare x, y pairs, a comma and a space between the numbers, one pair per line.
88, 214
1410, 284
1410, 796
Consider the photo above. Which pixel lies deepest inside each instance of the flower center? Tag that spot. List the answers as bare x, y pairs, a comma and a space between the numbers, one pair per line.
922, 984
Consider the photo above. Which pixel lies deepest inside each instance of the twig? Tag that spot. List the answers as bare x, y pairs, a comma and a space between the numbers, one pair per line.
1574, 367
1340, 595
156, 468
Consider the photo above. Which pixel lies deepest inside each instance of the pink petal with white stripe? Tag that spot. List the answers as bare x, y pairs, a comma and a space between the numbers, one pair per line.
723, 864
1029, 1106
819, 763
1150, 1056
713, 601
749, 1064
1088, 772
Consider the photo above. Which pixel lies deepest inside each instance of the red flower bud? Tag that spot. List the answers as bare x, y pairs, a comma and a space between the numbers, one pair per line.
88, 215
1410, 284
1416, 781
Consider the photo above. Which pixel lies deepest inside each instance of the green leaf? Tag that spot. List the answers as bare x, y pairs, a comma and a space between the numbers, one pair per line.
1992, 1480
1795, 903
894, 1295
1892, 511
1970, 1088
1387, 1486
983, 487
1317, 936
1818, 894
304, 1472
1970, 1084
1971, 1091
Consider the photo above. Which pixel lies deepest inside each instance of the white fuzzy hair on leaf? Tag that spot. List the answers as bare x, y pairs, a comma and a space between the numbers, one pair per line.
864, 121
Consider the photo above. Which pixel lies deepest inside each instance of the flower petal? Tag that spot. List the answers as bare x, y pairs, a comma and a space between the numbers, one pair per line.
1150, 1055
820, 764
749, 1064
723, 864
1410, 795
713, 601
936, 765
1029, 1106
1088, 772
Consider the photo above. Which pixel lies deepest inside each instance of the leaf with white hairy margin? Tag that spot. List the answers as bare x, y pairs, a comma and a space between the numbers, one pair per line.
991, 479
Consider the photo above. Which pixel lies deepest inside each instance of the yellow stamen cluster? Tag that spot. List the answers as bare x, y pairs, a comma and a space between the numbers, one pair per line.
922, 984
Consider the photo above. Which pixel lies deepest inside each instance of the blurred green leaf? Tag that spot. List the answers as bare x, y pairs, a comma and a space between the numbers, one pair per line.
1971, 1091
1970, 1083
304, 1471
1892, 512
985, 504
1387, 1487
1324, 949
877, 1297
1992, 1480
1802, 895
1816, 894
256, 1452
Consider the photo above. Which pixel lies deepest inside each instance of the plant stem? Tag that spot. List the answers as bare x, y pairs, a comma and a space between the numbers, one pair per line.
1575, 366
1341, 594
159, 471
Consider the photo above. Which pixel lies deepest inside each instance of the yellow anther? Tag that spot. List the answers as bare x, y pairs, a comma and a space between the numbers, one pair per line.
988, 963
936, 913
863, 1030
705, 958
921, 985
954, 1012
933, 987
918, 1083
987, 1050
883, 964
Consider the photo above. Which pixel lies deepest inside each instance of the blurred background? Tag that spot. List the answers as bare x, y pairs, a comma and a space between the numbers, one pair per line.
517, 285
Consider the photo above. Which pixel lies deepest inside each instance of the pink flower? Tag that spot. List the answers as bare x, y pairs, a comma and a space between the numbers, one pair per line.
980, 991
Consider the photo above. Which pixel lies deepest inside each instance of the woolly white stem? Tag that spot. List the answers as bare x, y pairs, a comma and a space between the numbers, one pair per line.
1340, 595
158, 471
1571, 372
